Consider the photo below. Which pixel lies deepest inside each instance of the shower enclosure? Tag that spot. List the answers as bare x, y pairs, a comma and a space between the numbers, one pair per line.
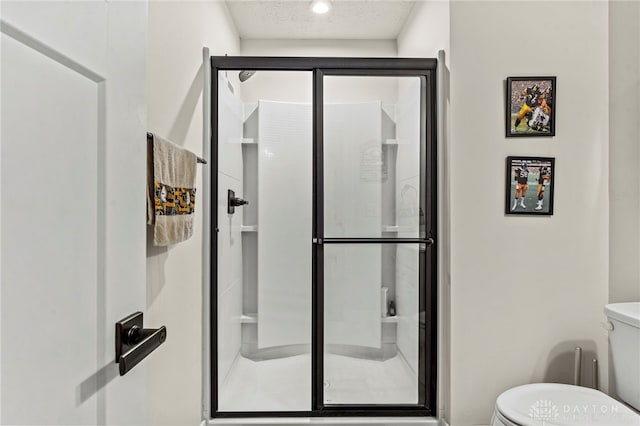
323, 292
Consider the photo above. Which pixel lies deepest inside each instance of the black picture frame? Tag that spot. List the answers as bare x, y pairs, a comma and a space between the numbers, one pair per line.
538, 190
531, 104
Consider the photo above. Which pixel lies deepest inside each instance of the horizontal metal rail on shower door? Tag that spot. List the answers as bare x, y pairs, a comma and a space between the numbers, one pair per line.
427, 241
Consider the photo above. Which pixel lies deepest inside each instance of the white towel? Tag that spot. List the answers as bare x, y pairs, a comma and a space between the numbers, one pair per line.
172, 193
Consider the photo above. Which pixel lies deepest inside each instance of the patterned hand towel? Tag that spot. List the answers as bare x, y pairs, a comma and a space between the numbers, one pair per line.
172, 195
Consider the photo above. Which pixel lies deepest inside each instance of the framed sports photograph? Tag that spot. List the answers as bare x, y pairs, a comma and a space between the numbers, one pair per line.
529, 188
531, 106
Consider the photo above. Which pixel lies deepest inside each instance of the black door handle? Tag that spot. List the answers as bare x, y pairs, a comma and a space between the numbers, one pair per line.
237, 202
233, 202
134, 343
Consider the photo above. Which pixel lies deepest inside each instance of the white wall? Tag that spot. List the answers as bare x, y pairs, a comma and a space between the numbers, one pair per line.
347, 48
426, 31
177, 33
526, 290
624, 151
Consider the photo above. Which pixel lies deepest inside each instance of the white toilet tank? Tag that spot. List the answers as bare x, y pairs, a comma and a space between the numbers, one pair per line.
625, 350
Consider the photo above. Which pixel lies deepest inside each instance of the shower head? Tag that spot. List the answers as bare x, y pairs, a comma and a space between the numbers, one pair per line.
245, 75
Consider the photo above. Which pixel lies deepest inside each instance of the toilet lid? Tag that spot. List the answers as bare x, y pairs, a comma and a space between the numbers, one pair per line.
553, 404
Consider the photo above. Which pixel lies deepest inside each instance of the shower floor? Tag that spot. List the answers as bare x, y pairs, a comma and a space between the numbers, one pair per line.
284, 384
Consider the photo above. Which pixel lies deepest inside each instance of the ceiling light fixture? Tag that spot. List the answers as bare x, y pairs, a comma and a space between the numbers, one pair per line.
320, 6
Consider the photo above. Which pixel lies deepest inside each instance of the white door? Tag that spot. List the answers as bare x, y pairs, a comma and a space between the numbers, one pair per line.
72, 206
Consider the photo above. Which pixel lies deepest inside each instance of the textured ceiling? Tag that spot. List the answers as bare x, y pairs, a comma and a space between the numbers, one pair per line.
293, 19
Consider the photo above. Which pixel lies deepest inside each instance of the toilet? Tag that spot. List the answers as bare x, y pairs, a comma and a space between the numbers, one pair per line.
554, 404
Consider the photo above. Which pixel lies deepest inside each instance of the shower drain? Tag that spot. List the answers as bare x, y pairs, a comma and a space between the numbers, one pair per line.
326, 384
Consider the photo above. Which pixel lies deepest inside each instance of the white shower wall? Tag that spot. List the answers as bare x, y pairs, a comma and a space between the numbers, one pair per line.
276, 156
284, 223
282, 228
352, 208
230, 274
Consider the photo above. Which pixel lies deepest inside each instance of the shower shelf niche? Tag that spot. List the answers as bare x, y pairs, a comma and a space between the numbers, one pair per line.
396, 228
249, 319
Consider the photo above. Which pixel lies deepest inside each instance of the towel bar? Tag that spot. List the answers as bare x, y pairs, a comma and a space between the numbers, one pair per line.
199, 159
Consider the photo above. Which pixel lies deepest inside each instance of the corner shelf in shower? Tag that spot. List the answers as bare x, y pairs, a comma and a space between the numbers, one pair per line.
243, 141
249, 319
396, 228
249, 228
396, 142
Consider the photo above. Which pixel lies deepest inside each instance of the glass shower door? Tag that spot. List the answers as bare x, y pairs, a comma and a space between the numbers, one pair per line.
264, 217
323, 264
374, 228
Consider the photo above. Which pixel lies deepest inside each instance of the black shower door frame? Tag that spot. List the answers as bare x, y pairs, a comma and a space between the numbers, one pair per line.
427, 293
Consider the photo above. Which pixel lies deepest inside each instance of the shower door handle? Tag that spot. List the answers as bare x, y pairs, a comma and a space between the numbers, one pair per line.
233, 202
237, 202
